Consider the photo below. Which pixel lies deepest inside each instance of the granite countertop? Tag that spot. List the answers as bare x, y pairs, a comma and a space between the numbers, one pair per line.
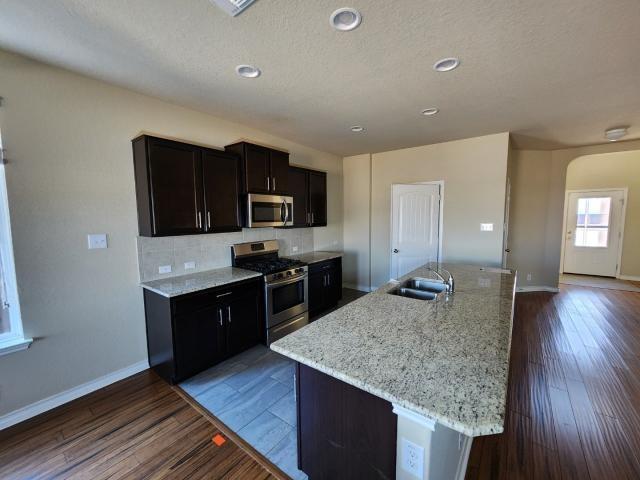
315, 257
446, 359
193, 282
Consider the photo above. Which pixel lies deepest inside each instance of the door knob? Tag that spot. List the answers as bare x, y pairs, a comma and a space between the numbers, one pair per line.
395, 250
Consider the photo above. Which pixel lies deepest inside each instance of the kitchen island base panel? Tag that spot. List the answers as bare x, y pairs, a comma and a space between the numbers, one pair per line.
446, 452
343, 432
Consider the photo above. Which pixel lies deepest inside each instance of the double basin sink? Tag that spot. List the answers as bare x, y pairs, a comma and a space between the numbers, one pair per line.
420, 289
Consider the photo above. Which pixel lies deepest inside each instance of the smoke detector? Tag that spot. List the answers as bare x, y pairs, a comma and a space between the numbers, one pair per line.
233, 7
614, 134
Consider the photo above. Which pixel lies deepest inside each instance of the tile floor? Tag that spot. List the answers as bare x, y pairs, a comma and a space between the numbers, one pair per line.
253, 394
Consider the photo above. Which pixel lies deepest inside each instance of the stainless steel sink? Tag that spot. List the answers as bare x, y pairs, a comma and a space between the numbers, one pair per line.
419, 288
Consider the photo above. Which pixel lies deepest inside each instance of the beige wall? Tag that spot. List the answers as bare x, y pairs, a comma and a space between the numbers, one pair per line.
70, 173
540, 252
474, 174
614, 170
530, 184
356, 229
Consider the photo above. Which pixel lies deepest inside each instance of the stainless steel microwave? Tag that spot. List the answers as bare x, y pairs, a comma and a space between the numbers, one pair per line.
269, 210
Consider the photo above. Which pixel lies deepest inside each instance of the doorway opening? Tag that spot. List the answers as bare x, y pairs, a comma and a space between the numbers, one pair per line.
416, 226
601, 221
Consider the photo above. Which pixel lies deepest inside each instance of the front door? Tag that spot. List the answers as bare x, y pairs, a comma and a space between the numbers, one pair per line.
415, 227
592, 238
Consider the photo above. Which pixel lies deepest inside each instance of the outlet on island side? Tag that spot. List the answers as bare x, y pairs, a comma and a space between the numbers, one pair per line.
412, 458
528, 277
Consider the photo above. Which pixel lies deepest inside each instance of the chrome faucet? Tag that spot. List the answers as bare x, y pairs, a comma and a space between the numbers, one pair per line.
450, 283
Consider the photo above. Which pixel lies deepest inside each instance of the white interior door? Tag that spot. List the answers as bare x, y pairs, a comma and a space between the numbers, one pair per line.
415, 220
592, 238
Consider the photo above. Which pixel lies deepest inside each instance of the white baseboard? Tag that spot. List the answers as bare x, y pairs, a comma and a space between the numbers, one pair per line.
61, 398
537, 288
632, 278
353, 286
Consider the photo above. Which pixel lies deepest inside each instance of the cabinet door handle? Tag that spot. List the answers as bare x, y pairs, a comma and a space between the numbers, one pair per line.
274, 184
313, 218
324, 280
208, 220
229, 312
224, 294
268, 183
328, 280
220, 316
199, 219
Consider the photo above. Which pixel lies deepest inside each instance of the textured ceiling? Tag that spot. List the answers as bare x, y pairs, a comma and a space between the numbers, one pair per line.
555, 73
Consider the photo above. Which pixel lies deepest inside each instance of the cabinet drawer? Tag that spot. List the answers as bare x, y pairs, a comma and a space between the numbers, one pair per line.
206, 298
326, 265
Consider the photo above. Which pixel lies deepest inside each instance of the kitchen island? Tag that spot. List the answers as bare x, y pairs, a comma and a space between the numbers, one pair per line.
389, 385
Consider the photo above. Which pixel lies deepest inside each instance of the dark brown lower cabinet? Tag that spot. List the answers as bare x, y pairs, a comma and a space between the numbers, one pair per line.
343, 432
190, 333
325, 285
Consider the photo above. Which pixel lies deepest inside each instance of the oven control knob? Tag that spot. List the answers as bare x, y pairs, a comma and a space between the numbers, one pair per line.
278, 275
288, 273
299, 270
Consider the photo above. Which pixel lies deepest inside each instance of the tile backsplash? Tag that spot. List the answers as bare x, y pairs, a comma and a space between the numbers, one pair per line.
211, 251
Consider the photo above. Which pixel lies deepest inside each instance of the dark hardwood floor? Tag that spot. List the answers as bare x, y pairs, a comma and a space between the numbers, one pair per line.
137, 428
574, 390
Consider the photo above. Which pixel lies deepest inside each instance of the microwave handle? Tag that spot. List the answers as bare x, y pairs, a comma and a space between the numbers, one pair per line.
286, 212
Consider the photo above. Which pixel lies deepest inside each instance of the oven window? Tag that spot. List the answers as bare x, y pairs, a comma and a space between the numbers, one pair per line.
287, 296
266, 212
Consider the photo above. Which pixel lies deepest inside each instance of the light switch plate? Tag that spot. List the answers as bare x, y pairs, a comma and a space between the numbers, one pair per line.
189, 265
486, 227
294, 249
164, 269
96, 240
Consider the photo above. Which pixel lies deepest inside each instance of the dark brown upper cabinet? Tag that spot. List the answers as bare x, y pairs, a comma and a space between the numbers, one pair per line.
263, 170
299, 190
309, 191
220, 175
318, 198
184, 189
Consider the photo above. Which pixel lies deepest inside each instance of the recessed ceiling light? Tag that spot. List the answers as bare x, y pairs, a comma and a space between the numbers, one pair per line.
248, 71
427, 112
446, 64
357, 128
345, 19
614, 134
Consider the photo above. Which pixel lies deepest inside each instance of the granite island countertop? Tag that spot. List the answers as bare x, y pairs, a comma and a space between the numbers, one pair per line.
315, 257
446, 359
193, 282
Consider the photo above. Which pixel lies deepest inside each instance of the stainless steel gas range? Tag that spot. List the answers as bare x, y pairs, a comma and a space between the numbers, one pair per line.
286, 287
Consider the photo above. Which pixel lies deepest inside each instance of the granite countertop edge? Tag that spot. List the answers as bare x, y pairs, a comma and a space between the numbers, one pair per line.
480, 430
316, 256
218, 277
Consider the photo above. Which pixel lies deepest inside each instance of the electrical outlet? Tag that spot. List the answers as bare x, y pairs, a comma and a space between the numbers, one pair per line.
528, 277
484, 282
97, 240
486, 227
189, 265
294, 249
164, 269
412, 458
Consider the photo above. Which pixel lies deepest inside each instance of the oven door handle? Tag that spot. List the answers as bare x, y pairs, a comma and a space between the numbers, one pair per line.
286, 281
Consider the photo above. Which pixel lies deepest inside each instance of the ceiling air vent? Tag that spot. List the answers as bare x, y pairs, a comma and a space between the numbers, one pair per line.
233, 7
